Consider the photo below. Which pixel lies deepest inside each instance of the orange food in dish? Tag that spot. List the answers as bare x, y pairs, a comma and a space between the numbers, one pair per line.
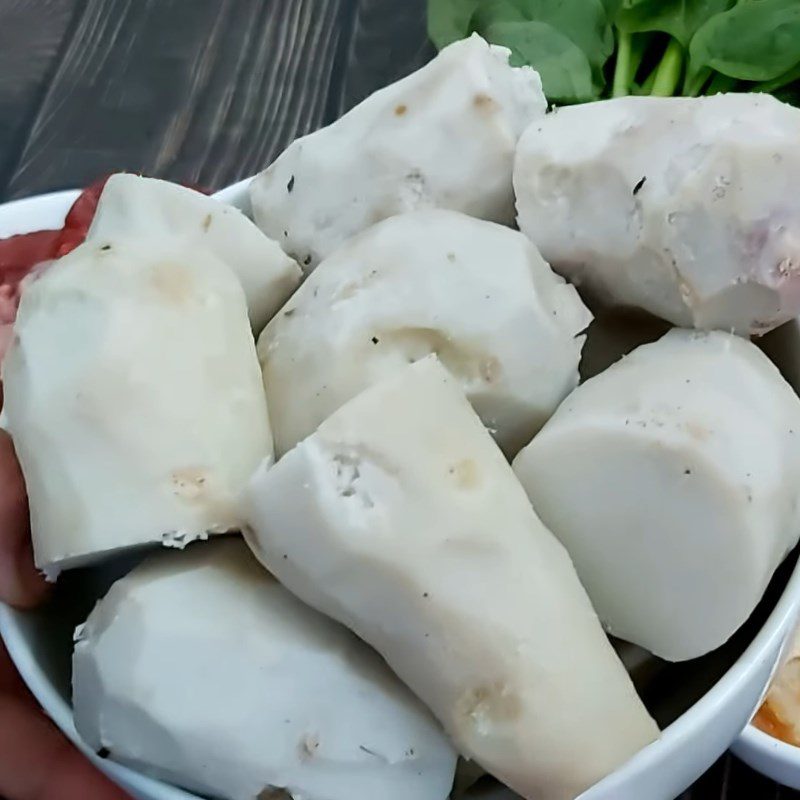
779, 715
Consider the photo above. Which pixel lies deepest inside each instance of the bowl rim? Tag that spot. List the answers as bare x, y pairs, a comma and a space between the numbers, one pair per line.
756, 740
775, 631
767, 754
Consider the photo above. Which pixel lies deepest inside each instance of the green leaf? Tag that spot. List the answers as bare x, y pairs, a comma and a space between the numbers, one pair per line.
490, 12
611, 7
780, 82
679, 18
450, 20
564, 68
755, 41
584, 22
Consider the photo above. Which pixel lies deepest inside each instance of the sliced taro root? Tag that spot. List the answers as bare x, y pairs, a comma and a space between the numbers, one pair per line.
143, 208
475, 293
401, 518
204, 671
134, 398
442, 137
673, 480
685, 207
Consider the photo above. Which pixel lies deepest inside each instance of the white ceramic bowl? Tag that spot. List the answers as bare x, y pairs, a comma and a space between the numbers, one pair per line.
764, 753
702, 705
769, 756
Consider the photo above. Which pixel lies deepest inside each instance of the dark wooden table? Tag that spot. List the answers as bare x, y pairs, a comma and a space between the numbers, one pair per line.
206, 92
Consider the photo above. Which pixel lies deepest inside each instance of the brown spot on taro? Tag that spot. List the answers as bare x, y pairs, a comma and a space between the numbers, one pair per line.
487, 705
172, 281
686, 291
490, 369
189, 483
483, 101
308, 747
698, 432
207, 222
466, 474
352, 288
400, 110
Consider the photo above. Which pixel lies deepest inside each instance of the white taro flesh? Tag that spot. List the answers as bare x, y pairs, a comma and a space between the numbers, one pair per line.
475, 293
144, 208
201, 669
685, 207
673, 480
134, 398
401, 518
444, 136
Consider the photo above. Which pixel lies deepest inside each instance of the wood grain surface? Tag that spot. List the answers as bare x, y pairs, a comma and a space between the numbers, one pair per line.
207, 91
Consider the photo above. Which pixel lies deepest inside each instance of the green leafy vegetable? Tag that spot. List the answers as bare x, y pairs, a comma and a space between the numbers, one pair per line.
582, 21
668, 74
491, 12
626, 68
679, 18
630, 52
611, 7
449, 20
662, 46
790, 77
578, 30
755, 41
564, 69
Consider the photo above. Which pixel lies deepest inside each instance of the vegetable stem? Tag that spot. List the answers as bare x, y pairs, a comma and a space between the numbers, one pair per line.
669, 70
647, 85
622, 70
721, 83
694, 85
